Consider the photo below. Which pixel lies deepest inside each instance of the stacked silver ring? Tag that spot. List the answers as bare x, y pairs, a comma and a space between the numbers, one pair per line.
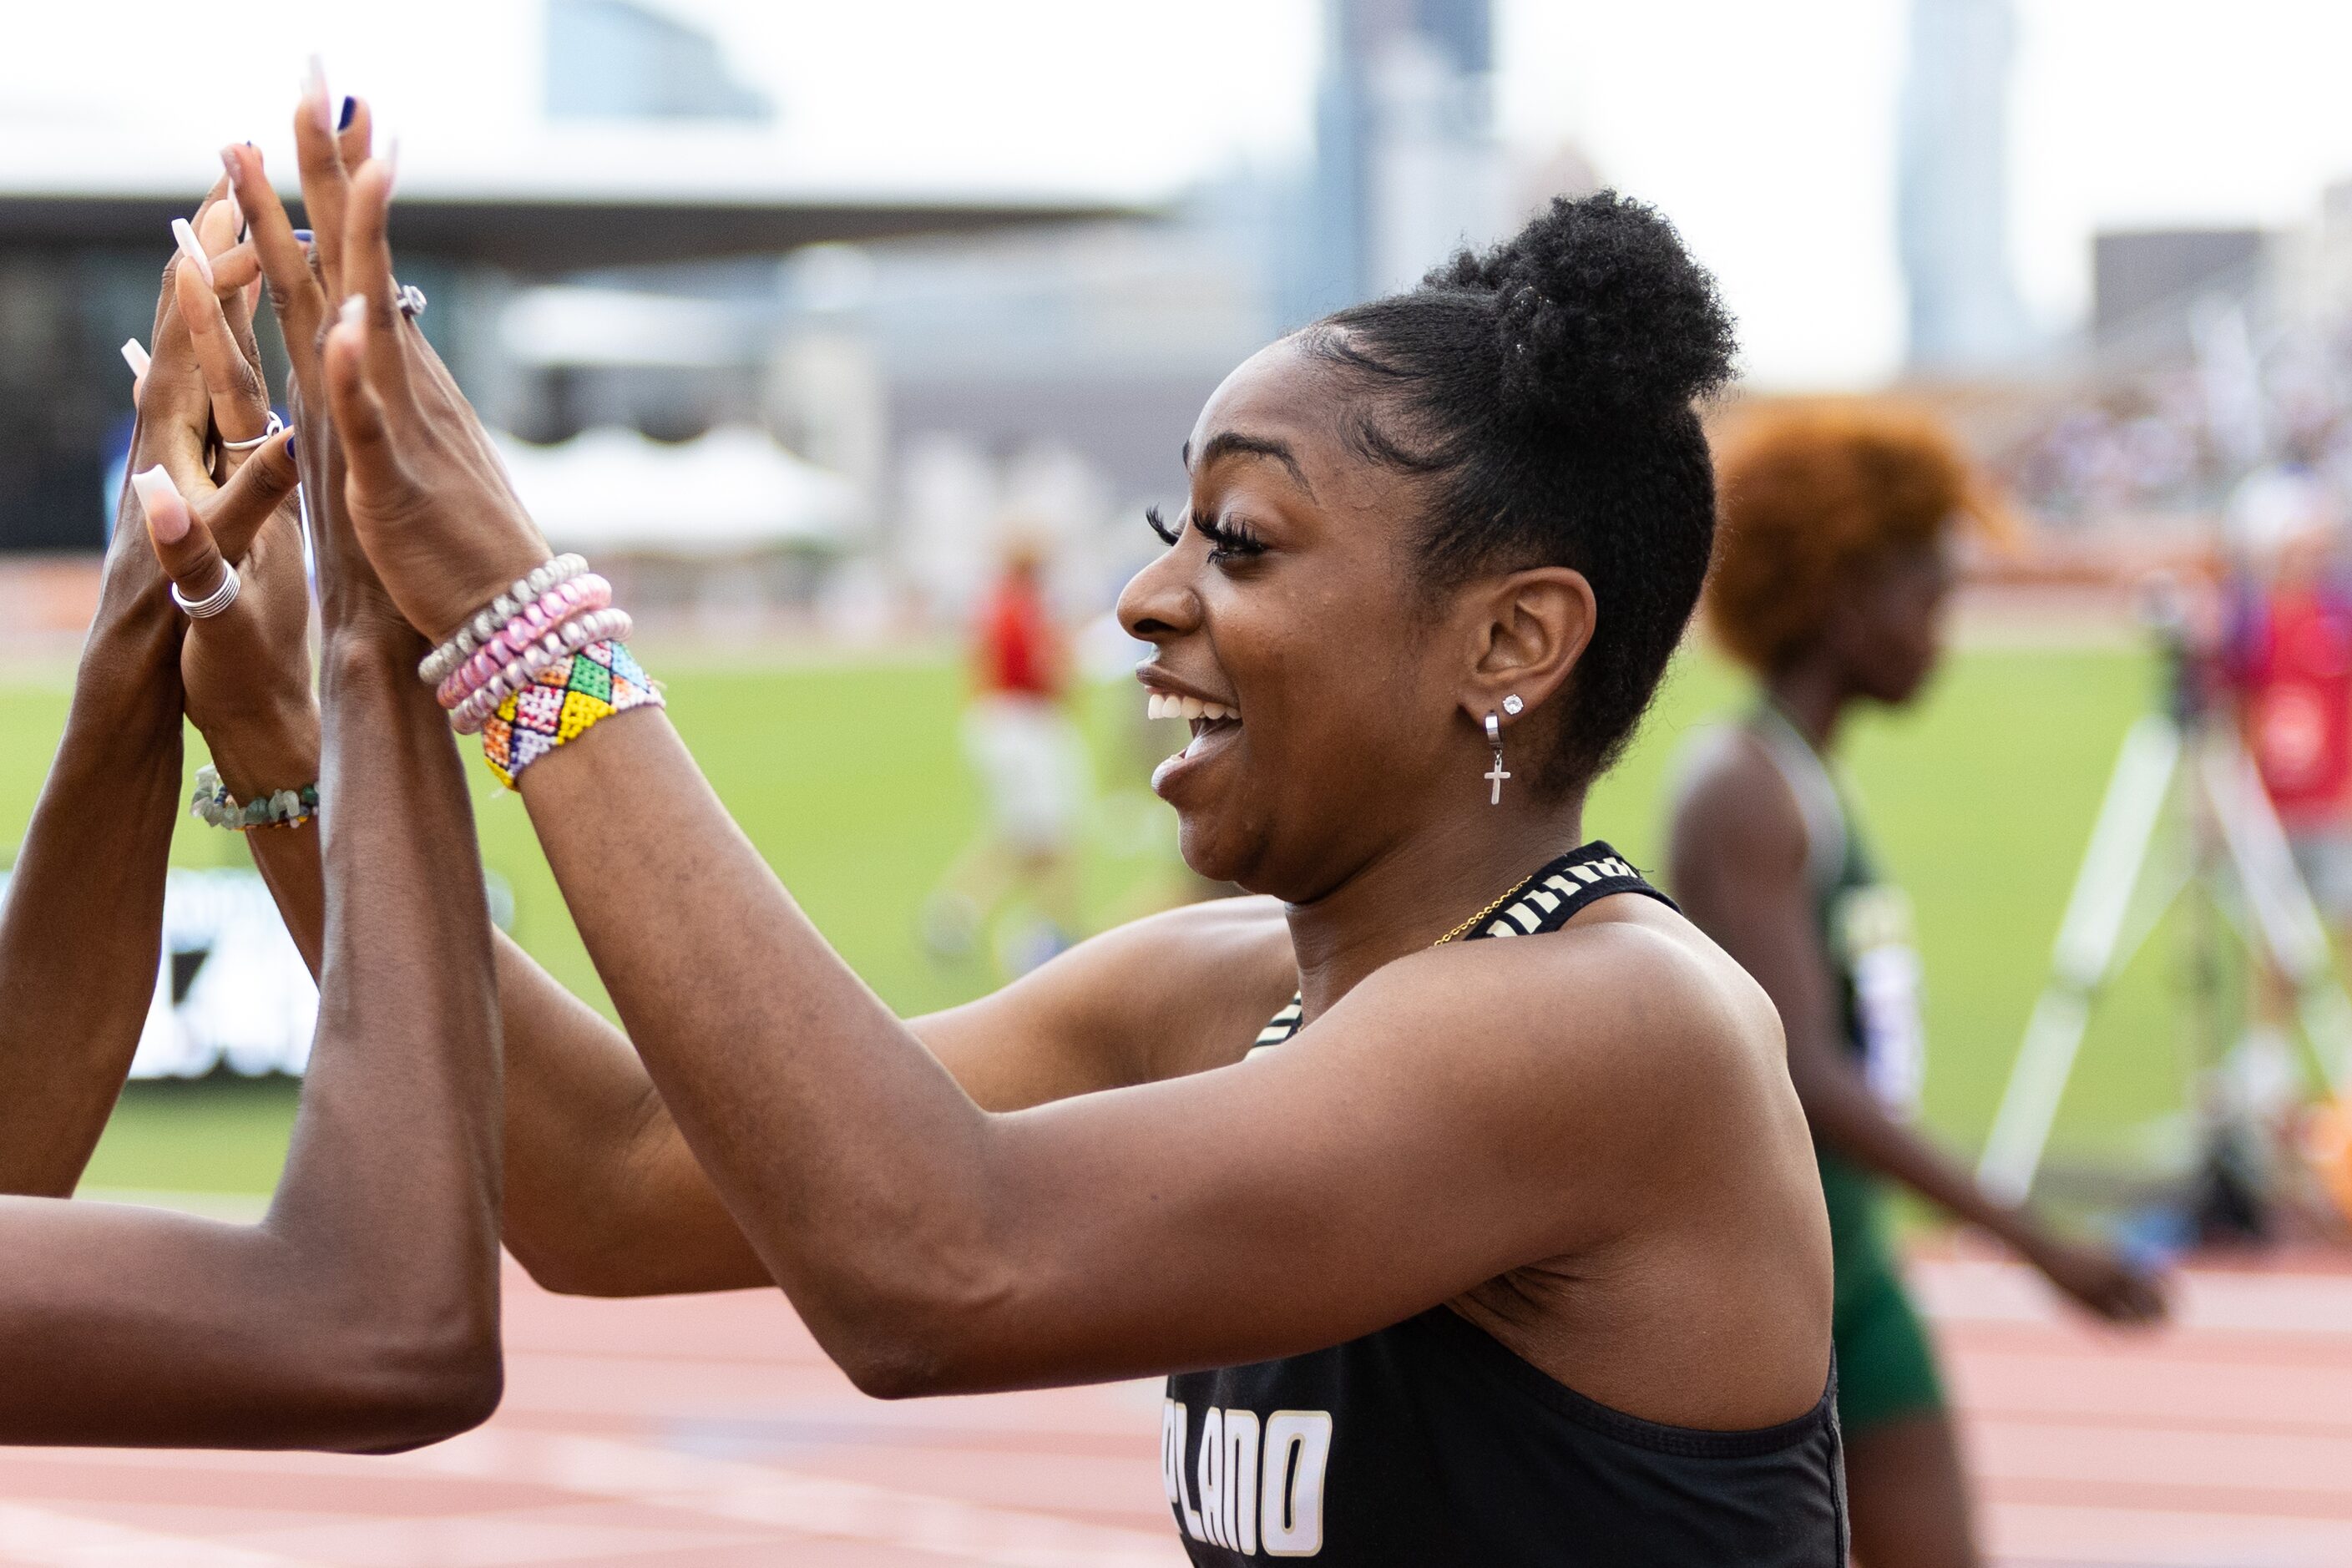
213, 602
411, 300
486, 623
277, 427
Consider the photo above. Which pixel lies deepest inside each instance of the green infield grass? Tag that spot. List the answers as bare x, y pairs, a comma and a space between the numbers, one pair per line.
849, 776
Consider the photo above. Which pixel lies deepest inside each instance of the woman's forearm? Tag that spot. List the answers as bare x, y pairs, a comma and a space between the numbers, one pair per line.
81, 926
1847, 1118
398, 1136
775, 1060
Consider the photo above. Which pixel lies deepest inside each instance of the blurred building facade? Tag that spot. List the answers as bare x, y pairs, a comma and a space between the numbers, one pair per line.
1952, 196
1407, 163
631, 141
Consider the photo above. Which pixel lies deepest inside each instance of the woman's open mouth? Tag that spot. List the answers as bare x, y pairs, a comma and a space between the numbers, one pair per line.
1214, 724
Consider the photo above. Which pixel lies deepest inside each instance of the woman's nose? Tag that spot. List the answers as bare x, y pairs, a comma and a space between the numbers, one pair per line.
1158, 602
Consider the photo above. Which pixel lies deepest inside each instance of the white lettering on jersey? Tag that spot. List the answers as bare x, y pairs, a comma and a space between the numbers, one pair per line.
1297, 1450
1173, 1424
1171, 1448
1251, 1493
1240, 1501
1211, 1462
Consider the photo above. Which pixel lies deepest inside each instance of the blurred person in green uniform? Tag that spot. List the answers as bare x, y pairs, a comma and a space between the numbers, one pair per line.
1833, 566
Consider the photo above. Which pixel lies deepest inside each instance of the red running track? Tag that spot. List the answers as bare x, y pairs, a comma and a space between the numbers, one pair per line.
709, 1432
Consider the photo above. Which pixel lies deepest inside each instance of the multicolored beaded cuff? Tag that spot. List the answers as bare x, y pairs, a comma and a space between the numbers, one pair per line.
561, 704
213, 804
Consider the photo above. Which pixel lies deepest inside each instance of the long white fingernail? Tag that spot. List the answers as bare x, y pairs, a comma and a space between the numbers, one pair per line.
391, 156
135, 357
314, 89
355, 311
158, 497
235, 217
186, 237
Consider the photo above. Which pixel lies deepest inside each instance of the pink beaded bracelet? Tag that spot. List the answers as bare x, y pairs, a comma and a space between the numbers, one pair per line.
597, 625
565, 602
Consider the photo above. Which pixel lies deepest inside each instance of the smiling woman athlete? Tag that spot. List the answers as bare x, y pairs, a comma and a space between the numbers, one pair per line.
1502, 1242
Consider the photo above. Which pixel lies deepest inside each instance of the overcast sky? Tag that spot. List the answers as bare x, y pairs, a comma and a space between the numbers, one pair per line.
1765, 131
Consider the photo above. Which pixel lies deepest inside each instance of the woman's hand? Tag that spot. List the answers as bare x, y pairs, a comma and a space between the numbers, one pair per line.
2098, 1280
245, 671
427, 497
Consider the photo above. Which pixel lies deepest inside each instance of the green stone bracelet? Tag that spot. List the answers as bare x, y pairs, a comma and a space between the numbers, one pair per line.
211, 803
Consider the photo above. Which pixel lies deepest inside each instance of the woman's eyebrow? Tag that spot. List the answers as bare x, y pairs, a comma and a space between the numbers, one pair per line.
1234, 443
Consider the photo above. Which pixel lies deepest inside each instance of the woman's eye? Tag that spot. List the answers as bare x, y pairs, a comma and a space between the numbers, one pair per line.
1227, 540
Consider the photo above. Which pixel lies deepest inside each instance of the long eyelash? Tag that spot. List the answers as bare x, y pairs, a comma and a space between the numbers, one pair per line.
1167, 535
1225, 540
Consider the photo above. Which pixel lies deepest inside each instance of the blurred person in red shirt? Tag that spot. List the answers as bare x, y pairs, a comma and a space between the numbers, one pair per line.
1032, 764
2294, 669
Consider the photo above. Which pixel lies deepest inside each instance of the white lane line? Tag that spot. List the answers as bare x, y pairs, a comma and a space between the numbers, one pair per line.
821, 1506
41, 1537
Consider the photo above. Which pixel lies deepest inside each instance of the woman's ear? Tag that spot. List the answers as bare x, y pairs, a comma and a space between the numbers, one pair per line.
1530, 628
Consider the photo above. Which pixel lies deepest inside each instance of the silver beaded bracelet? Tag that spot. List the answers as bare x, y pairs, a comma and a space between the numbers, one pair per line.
495, 615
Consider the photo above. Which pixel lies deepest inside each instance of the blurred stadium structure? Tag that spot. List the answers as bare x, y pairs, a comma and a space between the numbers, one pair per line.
773, 403
776, 401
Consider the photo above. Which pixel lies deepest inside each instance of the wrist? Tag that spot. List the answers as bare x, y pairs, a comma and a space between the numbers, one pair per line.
256, 768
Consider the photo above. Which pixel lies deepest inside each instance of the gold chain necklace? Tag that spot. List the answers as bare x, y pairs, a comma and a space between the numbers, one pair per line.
1474, 919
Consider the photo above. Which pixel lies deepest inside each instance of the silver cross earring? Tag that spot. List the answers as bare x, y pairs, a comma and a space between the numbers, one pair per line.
1496, 775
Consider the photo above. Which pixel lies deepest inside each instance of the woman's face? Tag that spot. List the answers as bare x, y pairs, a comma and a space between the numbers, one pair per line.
1889, 627
1288, 600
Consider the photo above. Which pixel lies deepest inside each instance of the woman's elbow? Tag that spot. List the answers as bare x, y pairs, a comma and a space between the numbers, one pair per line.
409, 1402
390, 1386
918, 1345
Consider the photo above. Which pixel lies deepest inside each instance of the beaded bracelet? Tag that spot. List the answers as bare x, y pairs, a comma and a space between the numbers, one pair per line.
561, 704
601, 626
213, 804
485, 621
565, 602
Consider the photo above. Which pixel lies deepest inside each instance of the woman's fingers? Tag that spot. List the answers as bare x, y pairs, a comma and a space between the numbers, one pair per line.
134, 354
354, 132
240, 403
373, 472
324, 177
243, 506
283, 259
367, 267
189, 556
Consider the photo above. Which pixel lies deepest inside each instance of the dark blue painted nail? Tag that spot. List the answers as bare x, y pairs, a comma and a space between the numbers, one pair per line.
350, 107
302, 235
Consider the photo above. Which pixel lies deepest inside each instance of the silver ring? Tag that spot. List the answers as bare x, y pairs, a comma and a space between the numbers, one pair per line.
213, 602
411, 300
277, 427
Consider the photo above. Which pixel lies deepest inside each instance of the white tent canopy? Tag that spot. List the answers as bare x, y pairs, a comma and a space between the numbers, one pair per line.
731, 492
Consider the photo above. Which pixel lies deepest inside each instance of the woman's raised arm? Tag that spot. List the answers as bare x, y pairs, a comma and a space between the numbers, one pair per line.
82, 921
362, 1312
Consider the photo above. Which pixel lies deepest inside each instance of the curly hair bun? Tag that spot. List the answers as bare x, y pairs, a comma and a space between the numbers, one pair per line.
1601, 315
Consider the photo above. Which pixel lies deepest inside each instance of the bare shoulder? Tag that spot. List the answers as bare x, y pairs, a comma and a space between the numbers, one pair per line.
1728, 784
1628, 1030
1172, 994
1194, 984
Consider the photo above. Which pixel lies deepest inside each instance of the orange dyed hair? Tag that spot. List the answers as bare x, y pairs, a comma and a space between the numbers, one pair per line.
1808, 490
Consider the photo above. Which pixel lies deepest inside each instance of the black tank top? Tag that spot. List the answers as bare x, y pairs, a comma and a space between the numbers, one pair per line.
1430, 1442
